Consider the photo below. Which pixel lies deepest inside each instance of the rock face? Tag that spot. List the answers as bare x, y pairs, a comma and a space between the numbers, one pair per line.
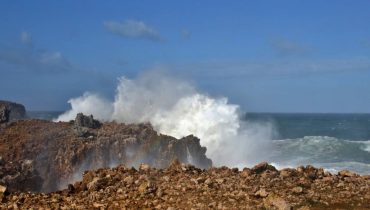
20, 176
59, 156
10, 111
86, 121
183, 186
4, 114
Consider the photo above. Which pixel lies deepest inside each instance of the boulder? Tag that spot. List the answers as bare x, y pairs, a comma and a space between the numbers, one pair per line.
86, 121
10, 111
261, 167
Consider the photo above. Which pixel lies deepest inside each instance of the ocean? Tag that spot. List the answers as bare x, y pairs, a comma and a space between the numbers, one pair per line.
331, 141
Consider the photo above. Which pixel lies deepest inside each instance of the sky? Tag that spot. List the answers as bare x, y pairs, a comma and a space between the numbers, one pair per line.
266, 56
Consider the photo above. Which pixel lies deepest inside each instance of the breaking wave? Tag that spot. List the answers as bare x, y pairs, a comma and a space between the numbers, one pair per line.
322, 151
174, 107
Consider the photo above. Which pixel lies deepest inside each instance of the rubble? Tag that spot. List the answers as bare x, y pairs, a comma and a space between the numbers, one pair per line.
183, 186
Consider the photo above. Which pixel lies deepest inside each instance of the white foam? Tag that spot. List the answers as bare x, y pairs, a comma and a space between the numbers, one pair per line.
174, 107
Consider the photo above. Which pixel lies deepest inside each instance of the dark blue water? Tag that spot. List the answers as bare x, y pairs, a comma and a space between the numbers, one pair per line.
341, 126
331, 141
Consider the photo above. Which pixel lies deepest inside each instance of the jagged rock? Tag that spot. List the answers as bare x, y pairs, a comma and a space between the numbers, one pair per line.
59, 156
20, 176
3, 191
217, 188
261, 167
277, 202
346, 173
4, 114
10, 111
261, 193
86, 121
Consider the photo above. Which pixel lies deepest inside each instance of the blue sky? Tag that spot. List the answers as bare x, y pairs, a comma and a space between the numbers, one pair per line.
267, 56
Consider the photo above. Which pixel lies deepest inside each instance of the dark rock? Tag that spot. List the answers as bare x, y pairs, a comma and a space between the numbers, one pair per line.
261, 167
86, 121
10, 111
4, 114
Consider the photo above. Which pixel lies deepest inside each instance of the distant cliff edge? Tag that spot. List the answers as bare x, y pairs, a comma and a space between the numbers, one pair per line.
10, 111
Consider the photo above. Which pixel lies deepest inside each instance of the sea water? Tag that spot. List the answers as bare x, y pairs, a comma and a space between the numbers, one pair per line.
332, 141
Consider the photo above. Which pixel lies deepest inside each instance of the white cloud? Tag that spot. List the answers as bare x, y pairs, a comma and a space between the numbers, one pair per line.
33, 59
133, 29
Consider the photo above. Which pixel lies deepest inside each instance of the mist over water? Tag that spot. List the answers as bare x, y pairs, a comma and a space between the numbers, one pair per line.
175, 107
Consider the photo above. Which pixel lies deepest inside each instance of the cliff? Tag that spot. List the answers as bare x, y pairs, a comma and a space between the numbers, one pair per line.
46, 156
10, 111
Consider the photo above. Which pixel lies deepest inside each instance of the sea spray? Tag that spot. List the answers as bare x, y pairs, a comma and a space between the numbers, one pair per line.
176, 108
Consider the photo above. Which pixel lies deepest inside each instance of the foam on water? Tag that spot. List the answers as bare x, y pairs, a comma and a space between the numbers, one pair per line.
323, 151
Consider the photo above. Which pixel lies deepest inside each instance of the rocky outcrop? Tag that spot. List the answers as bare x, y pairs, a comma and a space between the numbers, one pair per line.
183, 186
4, 114
59, 156
86, 121
82, 124
20, 176
10, 111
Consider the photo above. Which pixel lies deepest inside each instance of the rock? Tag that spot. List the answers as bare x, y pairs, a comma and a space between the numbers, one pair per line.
144, 167
261, 167
2, 162
277, 202
346, 173
147, 187
261, 193
4, 114
86, 121
3, 190
94, 184
10, 111
129, 180
297, 190
246, 172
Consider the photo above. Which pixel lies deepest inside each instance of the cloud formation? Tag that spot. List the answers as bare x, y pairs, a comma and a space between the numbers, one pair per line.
133, 29
33, 59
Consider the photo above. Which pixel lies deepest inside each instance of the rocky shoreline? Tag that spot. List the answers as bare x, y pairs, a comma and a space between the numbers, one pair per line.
131, 166
183, 186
